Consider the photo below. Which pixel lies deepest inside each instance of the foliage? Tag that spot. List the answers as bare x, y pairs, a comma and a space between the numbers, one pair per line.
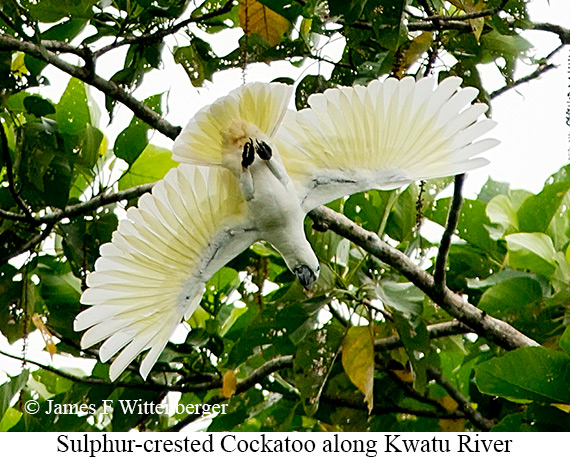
367, 350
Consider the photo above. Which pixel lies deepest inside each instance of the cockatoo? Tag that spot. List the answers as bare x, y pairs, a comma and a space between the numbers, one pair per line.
251, 170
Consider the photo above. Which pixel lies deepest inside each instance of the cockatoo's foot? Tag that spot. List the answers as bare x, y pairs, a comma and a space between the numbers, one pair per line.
261, 148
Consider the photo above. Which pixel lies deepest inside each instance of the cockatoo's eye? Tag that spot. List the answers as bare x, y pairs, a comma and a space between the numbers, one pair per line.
248, 154
306, 276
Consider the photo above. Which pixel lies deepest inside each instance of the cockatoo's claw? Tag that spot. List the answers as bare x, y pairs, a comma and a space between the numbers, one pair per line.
248, 154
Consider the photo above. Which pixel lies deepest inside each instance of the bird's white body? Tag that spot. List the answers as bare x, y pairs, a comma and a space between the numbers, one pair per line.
256, 171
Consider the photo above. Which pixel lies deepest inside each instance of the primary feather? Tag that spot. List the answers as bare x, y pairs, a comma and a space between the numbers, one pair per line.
153, 273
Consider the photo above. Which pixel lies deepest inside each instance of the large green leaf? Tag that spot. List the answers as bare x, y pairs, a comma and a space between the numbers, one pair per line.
72, 114
10, 389
133, 140
537, 211
532, 251
152, 164
531, 373
510, 297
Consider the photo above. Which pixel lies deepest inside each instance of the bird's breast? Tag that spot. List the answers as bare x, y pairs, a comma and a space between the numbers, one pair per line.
274, 205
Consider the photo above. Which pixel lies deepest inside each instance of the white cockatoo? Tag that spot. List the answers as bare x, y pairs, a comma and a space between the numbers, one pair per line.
251, 171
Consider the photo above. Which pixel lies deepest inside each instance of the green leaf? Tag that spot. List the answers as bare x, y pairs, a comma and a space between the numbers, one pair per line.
416, 341
11, 418
510, 297
55, 10
38, 106
133, 140
72, 113
535, 418
537, 211
198, 61
152, 164
500, 211
526, 374
402, 297
10, 389
565, 341
511, 45
44, 167
358, 360
532, 251
492, 189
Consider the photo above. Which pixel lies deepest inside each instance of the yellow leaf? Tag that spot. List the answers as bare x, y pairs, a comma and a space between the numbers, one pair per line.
255, 17
18, 65
229, 384
404, 375
46, 334
472, 6
418, 46
562, 407
450, 425
458, 4
358, 360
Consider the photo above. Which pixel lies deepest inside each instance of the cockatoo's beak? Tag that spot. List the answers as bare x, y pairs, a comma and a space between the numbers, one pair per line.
306, 276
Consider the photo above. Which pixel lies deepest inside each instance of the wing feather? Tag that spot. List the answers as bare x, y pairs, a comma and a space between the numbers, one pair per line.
382, 136
153, 273
261, 104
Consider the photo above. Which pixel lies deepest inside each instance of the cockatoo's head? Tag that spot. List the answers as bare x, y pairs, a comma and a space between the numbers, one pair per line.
307, 275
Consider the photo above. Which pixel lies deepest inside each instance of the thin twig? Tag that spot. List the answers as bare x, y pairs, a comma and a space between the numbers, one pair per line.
450, 226
10, 174
30, 244
463, 403
435, 331
160, 34
534, 75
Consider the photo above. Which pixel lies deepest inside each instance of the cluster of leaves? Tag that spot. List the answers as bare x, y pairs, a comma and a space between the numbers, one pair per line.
365, 351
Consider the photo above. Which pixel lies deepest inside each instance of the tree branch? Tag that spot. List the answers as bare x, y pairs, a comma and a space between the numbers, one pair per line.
378, 410
563, 33
87, 75
463, 403
435, 331
450, 226
534, 75
96, 202
500, 332
80, 208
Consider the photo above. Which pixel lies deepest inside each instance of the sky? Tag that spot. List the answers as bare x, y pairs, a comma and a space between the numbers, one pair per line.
531, 123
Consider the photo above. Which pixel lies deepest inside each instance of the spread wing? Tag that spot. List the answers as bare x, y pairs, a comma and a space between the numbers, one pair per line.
382, 136
153, 273
261, 104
